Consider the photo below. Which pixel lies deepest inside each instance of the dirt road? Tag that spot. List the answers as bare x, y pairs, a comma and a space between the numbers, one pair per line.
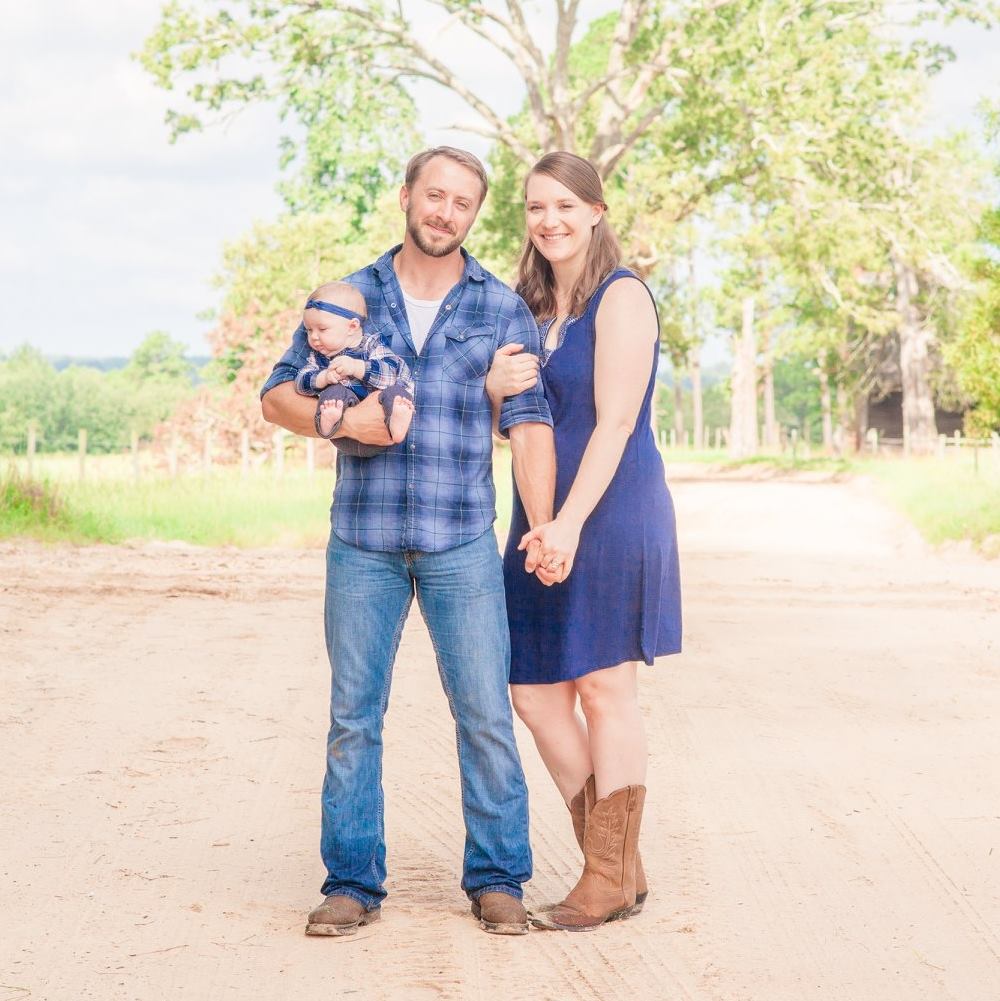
823, 819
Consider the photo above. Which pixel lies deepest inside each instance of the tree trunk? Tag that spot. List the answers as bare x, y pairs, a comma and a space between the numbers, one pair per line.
694, 354
696, 400
770, 418
679, 400
915, 340
743, 416
826, 407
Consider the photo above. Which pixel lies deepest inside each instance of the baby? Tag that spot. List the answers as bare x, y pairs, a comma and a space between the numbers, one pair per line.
345, 363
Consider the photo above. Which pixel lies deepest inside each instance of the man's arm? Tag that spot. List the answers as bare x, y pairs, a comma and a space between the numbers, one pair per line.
533, 455
533, 451
281, 405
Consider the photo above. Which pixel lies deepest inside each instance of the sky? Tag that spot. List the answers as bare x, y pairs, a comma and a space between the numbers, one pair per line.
108, 231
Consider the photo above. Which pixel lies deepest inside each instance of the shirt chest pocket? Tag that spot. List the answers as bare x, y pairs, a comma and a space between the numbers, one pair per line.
468, 353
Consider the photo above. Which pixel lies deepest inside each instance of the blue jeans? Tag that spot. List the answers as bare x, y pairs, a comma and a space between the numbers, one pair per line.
461, 596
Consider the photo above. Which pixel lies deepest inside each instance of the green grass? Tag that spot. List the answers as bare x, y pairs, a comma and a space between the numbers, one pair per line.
222, 508
947, 499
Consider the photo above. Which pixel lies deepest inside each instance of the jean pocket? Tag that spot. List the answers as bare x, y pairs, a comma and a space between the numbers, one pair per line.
468, 353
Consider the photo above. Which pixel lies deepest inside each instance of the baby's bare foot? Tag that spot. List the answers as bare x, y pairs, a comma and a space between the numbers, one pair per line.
330, 413
399, 419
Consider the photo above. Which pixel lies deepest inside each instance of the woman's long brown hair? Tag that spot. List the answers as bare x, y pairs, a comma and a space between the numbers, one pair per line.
535, 281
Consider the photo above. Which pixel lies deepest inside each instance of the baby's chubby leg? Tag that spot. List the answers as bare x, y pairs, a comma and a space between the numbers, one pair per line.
331, 413
332, 403
397, 405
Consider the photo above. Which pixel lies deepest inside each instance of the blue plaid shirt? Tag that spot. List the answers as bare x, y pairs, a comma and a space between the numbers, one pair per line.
434, 490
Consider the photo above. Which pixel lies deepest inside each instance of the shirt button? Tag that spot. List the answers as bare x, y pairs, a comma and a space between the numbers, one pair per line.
392, 305
447, 307
413, 448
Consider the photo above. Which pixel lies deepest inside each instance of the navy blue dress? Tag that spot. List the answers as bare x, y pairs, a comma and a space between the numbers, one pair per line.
622, 600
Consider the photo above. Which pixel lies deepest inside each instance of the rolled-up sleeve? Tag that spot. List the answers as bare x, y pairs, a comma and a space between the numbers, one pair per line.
531, 405
295, 357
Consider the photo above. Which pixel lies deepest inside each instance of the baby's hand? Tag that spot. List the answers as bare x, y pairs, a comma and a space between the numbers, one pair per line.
347, 368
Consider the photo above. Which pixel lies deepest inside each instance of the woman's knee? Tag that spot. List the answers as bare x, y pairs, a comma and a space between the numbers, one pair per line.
535, 706
611, 691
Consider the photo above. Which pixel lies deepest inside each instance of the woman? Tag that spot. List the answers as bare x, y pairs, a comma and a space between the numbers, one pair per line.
606, 593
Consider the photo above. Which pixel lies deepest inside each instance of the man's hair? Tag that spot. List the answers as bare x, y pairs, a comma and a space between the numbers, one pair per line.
459, 156
341, 294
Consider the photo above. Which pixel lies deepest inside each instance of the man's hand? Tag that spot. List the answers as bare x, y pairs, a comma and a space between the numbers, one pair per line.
366, 422
346, 368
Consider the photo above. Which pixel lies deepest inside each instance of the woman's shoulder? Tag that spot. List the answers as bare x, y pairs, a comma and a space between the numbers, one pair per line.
622, 286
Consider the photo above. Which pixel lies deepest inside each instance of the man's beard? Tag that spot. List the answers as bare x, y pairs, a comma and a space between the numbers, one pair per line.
431, 249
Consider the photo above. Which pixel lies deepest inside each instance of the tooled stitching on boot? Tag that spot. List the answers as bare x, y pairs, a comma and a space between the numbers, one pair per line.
602, 832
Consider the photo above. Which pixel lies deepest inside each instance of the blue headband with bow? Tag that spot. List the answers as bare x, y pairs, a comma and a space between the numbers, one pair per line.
329, 307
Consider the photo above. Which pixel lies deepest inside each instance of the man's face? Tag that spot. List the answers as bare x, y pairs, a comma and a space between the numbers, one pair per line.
441, 206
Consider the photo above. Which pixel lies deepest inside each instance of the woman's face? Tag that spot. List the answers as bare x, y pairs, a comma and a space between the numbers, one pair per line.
559, 223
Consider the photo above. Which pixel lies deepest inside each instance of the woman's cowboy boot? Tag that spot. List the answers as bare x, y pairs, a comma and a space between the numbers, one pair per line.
578, 814
589, 792
606, 890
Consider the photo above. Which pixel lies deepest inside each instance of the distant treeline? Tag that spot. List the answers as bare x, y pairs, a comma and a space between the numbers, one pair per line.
110, 398
110, 364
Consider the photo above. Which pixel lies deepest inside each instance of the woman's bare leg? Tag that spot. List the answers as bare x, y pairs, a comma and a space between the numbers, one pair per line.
549, 712
617, 737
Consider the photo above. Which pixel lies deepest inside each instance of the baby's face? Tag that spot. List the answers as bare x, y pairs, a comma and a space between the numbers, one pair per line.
329, 333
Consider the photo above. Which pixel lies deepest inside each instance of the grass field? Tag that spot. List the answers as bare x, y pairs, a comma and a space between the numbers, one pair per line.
947, 499
222, 508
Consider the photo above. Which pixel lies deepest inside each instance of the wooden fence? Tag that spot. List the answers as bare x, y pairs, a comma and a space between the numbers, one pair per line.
319, 453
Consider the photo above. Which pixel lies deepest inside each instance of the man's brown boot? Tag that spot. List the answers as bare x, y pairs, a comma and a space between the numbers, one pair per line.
589, 791
340, 915
500, 914
606, 890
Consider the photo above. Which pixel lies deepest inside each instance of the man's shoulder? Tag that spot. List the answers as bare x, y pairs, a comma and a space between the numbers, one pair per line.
501, 294
372, 274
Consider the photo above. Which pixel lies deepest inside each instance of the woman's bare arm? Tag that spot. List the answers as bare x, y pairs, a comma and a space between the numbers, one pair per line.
623, 358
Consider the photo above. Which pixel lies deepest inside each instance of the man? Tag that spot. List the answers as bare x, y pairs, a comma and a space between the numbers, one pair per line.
417, 519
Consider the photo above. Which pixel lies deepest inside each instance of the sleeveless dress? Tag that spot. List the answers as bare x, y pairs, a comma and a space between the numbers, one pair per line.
621, 602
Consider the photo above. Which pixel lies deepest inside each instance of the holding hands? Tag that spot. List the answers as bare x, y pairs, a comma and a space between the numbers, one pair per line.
550, 550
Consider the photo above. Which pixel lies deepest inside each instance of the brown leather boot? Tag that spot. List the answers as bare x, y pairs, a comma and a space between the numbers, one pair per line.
340, 915
606, 890
500, 914
578, 810
589, 792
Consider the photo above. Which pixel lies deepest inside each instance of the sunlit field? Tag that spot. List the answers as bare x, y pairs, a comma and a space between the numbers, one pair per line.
263, 507
954, 498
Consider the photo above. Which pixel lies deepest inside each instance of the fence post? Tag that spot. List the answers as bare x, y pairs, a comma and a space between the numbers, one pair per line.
942, 442
244, 452
172, 456
310, 455
995, 445
673, 437
134, 449
81, 448
206, 453
279, 452
32, 442
958, 444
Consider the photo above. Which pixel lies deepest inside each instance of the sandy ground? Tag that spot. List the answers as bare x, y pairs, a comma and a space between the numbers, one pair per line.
822, 821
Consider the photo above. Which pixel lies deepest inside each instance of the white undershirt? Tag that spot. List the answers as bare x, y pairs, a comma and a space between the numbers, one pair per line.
420, 314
